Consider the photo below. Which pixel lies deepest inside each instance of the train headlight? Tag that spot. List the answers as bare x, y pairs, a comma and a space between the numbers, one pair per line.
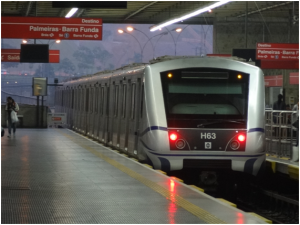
180, 144
170, 75
239, 76
173, 137
241, 138
234, 145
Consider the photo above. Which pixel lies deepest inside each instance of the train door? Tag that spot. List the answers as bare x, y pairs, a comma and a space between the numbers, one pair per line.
115, 118
82, 109
90, 113
103, 113
97, 111
134, 118
72, 108
86, 110
76, 111
123, 115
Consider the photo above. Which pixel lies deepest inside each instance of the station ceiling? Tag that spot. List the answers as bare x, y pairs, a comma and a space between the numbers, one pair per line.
153, 12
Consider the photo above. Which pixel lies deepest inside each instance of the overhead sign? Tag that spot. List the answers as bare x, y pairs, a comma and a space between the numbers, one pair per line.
294, 78
13, 55
278, 64
275, 51
51, 28
273, 81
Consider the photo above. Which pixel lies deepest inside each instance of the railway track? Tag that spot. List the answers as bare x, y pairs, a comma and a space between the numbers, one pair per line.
273, 196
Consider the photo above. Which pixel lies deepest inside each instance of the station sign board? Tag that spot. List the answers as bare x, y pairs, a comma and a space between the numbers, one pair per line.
51, 28
13, 55
55, 119
294, 78
277, 51
274, 81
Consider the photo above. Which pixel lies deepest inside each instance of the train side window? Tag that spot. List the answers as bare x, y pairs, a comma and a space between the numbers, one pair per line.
82, 101
107, 101
116, 100
72, 104
133, 90
102, 100
142, 101
87, 98
124, 102
96, 99
62, 98
91, 100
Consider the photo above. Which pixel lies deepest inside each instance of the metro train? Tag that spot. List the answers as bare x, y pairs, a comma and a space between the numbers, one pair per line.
176, 112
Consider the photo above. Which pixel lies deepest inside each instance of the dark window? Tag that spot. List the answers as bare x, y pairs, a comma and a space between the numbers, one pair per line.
142, 101
116, 100
87, 98
124, 102
96, 99
195, 97
133, 90
102, 100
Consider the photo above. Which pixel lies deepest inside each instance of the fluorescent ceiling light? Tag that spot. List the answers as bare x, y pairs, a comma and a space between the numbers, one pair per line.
71, 12
187, 16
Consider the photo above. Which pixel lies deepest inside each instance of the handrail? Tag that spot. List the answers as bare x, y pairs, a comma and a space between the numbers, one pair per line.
279, 132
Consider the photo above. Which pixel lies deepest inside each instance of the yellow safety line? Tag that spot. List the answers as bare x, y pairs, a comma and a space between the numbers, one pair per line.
197, 211
260, 217
293, 172
227, 202
199, 189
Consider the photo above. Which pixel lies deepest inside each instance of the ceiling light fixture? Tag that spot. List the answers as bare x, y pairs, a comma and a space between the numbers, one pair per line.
71, 12
189, 15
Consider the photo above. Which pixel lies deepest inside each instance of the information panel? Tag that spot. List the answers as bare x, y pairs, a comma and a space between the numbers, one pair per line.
276, 51
51, 28
13, 55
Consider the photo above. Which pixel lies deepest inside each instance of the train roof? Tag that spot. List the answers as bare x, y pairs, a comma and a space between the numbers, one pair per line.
135, 66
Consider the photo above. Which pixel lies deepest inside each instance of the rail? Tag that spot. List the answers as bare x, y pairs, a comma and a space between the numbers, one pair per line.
19, 98
281, 136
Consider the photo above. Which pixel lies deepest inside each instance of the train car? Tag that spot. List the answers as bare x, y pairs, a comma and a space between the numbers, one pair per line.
178, 112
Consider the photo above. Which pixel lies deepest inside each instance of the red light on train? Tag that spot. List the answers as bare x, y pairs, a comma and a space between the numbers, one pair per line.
241, 138
173, 137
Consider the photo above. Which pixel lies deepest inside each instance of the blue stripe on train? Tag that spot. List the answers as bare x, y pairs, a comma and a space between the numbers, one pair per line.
153, 128
256, 130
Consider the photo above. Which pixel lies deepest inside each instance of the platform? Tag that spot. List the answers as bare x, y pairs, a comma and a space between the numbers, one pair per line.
58, 176
283, 165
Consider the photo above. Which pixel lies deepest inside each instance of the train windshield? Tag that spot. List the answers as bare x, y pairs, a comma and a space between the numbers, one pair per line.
205, 97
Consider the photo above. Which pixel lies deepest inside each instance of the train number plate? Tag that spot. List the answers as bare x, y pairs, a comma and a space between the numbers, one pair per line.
204, 135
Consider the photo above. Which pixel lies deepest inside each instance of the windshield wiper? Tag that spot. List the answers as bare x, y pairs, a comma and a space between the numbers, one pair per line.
221, 121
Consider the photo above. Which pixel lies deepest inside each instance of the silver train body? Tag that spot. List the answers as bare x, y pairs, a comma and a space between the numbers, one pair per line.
186, 112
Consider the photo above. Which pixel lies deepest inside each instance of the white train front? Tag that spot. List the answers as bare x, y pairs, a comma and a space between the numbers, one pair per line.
184, 112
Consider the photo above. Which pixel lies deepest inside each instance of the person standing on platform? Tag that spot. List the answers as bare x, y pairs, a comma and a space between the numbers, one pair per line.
278, 105
11, 105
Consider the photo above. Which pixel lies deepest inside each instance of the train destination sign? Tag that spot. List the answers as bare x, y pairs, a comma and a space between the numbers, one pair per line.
13, 55
51, 28
275, 51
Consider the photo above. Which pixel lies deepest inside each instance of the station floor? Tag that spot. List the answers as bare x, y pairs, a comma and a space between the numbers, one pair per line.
57, 176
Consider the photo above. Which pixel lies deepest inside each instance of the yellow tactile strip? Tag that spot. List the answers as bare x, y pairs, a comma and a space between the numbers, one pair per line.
190, 207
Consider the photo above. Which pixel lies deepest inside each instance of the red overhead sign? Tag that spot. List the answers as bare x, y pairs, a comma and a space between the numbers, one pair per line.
13, 55
273, 81
275, 51
294, 78
51, 28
